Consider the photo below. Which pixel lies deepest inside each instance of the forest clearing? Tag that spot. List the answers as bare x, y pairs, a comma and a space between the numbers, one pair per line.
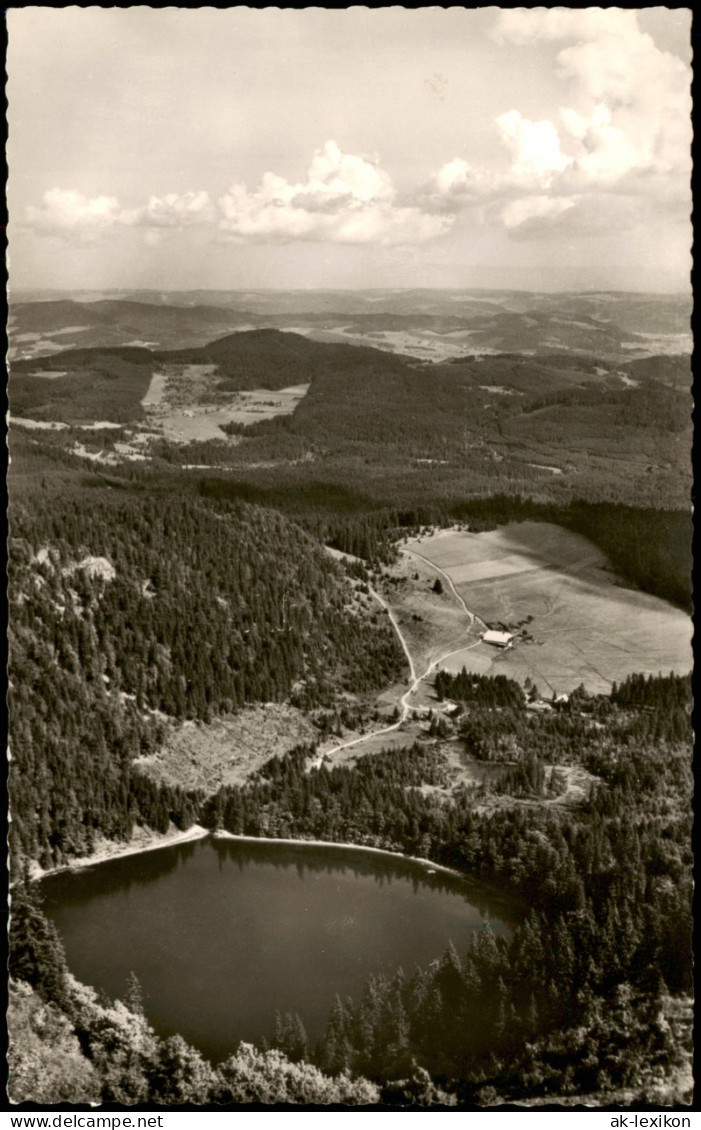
225, 751
186, 405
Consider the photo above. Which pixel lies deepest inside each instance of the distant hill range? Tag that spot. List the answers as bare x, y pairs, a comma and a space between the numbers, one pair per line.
427, 325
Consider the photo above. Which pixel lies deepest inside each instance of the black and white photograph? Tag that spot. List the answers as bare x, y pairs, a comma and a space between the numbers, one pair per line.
349, 559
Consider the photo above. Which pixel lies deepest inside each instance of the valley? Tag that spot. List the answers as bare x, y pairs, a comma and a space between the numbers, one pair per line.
282, 416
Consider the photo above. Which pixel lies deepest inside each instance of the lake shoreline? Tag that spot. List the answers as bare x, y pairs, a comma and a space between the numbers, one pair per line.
104, 853
291, 842
198, 833
171, 839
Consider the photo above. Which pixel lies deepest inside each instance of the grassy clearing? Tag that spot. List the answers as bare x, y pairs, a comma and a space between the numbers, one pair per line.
403, 738
186, 404
583, 628
250, 407
432, 623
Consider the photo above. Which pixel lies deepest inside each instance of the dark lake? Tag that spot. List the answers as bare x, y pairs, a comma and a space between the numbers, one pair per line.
222, 933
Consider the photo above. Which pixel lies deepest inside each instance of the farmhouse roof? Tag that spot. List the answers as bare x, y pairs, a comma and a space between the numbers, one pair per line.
501, 639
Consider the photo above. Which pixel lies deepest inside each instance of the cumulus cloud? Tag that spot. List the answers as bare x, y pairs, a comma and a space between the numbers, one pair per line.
636, 98
337, 176
536, 160
628, 133
174, 211
535, 149
579, 215
457, 185
623, 130
453, 177
66, 212
344, 199
534, 212
70, 214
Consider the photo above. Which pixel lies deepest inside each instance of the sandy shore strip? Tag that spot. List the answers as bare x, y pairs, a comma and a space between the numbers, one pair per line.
147, 841
428, 863
144, 841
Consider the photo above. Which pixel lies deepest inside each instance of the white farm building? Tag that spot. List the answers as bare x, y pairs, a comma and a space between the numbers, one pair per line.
498, 639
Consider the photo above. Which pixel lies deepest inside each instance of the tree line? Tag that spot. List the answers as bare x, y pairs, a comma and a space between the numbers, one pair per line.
650, 548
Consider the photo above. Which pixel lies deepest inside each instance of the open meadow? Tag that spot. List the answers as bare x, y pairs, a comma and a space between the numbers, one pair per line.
573, 623
184, 403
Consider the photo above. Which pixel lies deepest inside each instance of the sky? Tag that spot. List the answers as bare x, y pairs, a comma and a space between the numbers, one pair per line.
167, 149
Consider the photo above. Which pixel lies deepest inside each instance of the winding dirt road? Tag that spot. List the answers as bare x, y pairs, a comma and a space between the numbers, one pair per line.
416, 679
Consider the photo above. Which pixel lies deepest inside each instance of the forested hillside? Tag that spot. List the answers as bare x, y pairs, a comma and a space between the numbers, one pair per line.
548, 427
579, 999
93, 384
576, 1002
270, 359
130, 608
556, 426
